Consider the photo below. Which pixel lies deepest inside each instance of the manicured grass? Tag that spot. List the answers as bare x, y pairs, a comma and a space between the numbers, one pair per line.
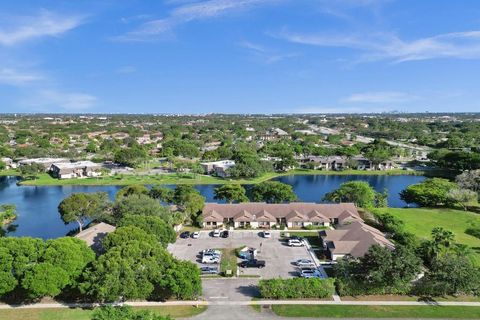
421, 221
47, 180
393, 297
345, 311
229, 261
84, 314
311, 236
9, 172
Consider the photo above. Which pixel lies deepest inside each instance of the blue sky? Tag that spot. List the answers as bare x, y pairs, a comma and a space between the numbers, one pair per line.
239, 56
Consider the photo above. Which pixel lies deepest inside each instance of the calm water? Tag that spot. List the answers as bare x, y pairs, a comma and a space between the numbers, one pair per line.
38, 215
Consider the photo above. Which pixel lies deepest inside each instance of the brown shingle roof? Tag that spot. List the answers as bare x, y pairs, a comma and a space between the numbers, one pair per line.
329, 211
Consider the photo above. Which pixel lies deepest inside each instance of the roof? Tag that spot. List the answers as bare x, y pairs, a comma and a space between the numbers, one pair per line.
94, 235
75, 165
328, 211
354, 239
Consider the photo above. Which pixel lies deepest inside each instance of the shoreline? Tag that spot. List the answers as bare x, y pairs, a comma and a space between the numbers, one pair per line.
174, 179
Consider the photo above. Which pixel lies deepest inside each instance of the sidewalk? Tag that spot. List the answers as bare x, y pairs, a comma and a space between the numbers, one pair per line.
241, 303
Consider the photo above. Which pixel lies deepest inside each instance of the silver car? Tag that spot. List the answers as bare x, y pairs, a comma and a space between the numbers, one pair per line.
304, 263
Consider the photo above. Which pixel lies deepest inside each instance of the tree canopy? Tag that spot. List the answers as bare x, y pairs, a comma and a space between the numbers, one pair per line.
273, 192
230, 193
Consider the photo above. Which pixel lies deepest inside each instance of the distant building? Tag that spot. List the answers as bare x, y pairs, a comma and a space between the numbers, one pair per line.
9, 164
327, 163
80, 169
274, 134
218, 168
46, 163
94, 235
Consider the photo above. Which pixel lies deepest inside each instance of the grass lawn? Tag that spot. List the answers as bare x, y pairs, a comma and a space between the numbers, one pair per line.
84, 314
345, 311
47, 180
229, 261
421, 221
393, 297
311, 236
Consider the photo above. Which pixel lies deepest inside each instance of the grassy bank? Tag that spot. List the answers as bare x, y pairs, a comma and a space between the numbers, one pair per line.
84, 314
47, 180
421, 221
345, 311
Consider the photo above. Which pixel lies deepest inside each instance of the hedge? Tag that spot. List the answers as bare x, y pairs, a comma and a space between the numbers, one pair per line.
296, 288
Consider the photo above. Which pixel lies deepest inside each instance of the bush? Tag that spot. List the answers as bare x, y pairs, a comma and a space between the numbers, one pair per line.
296, 288
473, 232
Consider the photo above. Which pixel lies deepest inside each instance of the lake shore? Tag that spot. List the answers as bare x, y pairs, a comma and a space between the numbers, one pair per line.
47, 180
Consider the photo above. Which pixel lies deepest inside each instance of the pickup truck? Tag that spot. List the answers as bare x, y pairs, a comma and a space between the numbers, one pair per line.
252, 264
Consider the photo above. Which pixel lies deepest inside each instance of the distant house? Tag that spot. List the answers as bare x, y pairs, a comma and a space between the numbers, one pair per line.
267, 215
363, 163
46, 163
218, 168
327, 163
352, 239
80, 169
94, 235
274, 134
9, 164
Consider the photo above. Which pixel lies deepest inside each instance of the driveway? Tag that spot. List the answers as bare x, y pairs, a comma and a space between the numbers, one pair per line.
276, 253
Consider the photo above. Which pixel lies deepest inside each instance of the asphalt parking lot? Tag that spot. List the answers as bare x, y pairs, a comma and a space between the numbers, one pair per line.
277, 255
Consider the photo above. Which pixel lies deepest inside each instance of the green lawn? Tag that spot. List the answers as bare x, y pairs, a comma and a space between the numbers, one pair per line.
345, 311
84, 314
47, 180
421, 221
229, 261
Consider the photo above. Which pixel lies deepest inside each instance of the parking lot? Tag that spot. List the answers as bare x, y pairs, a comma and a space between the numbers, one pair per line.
276, 253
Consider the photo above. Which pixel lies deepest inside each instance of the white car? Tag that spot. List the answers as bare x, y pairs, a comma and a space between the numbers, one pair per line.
210, 259
196, 235
267, 234
310, 274
304, 263
295, 243
211, 251
216, 233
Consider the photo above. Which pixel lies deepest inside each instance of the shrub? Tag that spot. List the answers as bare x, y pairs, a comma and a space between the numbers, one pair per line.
296, 288
473, 232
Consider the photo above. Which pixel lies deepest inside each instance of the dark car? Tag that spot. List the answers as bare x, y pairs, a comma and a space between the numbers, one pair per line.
254, 263
225, 234
208, 270
185, 235
296, 238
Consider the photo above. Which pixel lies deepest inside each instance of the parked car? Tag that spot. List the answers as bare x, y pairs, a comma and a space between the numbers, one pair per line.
185, 235
254, 263
296, 238
211, 251
216, 233
304, 263
210, 258
209, 270
295, 243
224, 234
310, 274
196, 235
267, 234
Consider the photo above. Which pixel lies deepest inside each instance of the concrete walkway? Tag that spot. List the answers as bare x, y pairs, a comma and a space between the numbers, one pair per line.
243, 303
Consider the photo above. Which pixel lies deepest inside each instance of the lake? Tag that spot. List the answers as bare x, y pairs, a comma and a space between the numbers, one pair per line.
38, 215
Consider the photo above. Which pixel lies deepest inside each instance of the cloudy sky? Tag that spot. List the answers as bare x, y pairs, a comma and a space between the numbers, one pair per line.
239, 56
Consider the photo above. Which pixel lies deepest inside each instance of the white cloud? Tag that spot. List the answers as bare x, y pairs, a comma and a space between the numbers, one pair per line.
264, 54
386, 46
16, 78
54, 100
379, 97
187, 13
45, 24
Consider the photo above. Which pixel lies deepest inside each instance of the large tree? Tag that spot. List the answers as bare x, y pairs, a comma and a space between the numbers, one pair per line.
152, 225
131, 189
429, 193
273, 192
81, 206
162, 193
358, 192
230, 193
462, 197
